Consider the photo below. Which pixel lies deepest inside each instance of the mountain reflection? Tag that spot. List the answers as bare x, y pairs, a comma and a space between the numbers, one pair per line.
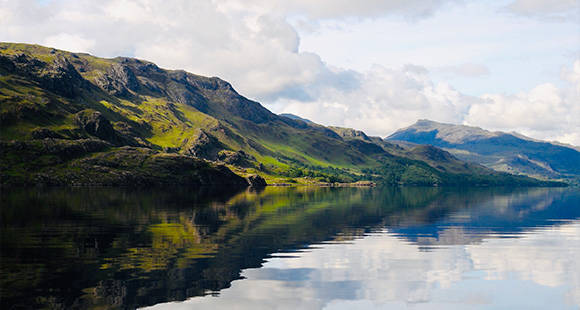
125, 248
474, 219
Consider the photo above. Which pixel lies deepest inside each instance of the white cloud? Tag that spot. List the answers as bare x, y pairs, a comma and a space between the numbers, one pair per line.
332, 9
383, 100
129, 11
73, 43
545, 112
387, 99
372, 8
571, 76
312, 58
556, 10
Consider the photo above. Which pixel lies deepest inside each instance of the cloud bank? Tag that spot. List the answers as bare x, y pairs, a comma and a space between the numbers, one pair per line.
374, 65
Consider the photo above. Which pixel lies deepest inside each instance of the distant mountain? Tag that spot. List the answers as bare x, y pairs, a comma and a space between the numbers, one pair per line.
501, 151
75, 119
297, 118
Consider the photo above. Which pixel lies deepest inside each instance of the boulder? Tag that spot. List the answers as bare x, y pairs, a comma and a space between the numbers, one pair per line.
257, 181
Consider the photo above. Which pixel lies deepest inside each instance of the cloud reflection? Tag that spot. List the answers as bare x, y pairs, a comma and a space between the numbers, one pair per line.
385, 270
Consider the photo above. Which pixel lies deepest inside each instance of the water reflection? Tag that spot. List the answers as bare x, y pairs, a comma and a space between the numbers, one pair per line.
516, 253
304, 248
382, 271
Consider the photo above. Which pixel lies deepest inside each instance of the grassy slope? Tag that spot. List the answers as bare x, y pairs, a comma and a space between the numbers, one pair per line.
174, 111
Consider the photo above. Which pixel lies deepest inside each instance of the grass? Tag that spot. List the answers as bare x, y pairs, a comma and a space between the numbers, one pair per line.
276, 150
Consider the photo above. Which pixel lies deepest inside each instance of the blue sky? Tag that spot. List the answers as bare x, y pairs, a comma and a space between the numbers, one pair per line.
374, 65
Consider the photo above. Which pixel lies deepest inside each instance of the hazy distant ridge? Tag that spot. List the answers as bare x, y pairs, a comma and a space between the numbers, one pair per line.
502, 151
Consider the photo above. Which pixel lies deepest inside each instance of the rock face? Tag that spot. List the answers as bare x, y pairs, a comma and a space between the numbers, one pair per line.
119, 80
204, 145
256, 181
58, 76
63, 78
96, 125
349, 133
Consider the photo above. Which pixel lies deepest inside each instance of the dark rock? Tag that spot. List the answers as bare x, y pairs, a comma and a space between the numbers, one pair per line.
186, 94
67, 149
196, 91
229, 157
220, 175
128, 135
144, 68
150, 84
248, 109
94, 123
147, 74
7, 65
62, 78
168, 149
204, 145
59, 77
138, 166
43, 133
255, 180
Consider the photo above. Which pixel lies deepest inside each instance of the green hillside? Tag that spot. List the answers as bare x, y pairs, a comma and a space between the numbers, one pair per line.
74, 119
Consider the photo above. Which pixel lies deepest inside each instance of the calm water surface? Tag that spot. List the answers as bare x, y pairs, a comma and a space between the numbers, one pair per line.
290, 248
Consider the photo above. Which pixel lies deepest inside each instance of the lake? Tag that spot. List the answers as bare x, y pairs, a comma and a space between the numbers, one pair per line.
290, 248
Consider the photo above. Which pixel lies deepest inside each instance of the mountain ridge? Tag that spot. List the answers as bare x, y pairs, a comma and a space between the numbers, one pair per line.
502, 151
146, 120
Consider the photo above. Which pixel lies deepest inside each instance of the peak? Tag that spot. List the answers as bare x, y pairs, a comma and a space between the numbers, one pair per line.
425, 121
449, 133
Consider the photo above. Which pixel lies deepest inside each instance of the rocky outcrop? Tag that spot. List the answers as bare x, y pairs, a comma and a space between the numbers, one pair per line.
63, 78
68, 149
43, 133
230, 157
94, 123
58, 76
65, 163
203, 145
119, 134
349, 133
256, 181
119, 80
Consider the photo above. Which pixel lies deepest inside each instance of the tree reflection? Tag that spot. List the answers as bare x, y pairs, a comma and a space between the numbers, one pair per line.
130, 247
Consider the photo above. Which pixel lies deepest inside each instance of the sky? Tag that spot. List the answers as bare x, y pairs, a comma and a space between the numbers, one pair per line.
372, 65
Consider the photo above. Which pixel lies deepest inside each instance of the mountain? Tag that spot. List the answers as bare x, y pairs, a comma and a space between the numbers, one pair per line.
296, 117
501, 151
76, 119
